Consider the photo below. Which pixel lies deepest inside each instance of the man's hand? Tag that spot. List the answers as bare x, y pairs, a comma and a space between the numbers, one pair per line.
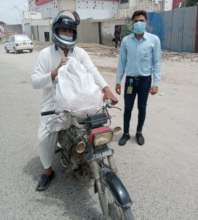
109, 95
54, 72
118, 89
154, 90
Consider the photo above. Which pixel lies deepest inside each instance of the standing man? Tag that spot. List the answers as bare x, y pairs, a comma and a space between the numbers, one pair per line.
139, 59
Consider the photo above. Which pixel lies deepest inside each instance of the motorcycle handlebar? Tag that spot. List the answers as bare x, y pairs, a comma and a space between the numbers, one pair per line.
107, 104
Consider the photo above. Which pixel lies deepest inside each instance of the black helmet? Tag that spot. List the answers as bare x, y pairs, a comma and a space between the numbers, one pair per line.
68, 20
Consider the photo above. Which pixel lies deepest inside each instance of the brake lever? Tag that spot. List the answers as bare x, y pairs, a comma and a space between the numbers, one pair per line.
117, 108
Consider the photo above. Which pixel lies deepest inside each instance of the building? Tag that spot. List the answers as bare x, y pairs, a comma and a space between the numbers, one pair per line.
2, 29
100, 15
6, 30
97, 9
86, 8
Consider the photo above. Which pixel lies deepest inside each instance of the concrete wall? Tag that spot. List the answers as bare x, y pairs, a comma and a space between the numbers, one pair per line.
107, 30
127, 9
35, 33
47, 10
42, 30
168, 5
88, 32
15, 29
27, 30
66, 5
97, 9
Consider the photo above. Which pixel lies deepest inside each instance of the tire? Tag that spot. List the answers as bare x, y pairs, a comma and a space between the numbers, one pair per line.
117, 212
109, 205
128, 214
6, 49
16, 51
31, 50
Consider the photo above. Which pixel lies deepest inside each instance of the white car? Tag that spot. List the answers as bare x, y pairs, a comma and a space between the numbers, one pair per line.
18, 43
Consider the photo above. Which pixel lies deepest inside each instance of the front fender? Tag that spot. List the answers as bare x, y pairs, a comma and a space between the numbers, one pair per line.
117, 188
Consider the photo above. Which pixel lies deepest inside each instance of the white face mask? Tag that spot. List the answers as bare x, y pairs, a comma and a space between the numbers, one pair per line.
67, 38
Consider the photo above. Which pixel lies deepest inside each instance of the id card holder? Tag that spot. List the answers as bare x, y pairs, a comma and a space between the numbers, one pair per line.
130, 87
129, 90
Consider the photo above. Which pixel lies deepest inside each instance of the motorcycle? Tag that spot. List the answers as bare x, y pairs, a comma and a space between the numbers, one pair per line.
84, 147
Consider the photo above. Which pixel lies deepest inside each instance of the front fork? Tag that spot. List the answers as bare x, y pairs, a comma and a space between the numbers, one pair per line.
95, 168
111, 163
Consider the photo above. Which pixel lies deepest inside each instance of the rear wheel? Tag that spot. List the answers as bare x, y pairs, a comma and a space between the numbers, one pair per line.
31, 51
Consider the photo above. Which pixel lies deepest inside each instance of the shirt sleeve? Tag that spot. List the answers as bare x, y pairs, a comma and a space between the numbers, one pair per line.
156, 61
41, 76
89, 65
121, 62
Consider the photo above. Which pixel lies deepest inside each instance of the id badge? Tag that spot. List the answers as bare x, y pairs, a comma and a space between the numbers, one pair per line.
130, 87
129, 90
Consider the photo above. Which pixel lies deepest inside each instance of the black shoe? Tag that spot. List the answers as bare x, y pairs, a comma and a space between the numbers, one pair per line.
45, 181
139, 138
124, 139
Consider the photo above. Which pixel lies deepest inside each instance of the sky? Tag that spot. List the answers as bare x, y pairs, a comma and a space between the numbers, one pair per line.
11, 10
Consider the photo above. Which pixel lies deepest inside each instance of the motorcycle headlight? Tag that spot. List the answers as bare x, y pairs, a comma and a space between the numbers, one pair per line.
103, 138
80, 147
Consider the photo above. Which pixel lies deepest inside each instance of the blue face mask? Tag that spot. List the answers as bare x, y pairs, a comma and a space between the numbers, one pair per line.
67, 38
139, 27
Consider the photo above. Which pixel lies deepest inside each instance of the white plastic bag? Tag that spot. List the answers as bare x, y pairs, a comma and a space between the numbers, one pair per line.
76, 90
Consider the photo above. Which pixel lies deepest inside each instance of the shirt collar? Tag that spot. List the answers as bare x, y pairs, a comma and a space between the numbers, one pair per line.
145, 36
60, 51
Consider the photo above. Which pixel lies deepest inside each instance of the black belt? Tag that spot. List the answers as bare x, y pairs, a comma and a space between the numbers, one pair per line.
137, 77
48, 113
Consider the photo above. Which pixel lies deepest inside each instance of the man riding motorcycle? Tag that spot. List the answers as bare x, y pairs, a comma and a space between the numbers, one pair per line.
50, 59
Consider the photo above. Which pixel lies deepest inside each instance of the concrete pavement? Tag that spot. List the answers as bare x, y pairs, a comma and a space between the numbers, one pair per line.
161, 176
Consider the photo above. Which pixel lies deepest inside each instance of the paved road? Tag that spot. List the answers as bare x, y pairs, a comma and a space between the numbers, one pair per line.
162, 176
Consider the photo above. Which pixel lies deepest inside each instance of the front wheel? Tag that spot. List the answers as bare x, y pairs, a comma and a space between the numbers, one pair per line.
113, 197
15, 50
128, 214
115, 211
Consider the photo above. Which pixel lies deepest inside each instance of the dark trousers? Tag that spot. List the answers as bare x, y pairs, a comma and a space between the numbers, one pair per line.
140, 87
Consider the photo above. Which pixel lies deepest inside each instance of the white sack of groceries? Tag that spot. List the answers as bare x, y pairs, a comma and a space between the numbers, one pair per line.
76, 90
